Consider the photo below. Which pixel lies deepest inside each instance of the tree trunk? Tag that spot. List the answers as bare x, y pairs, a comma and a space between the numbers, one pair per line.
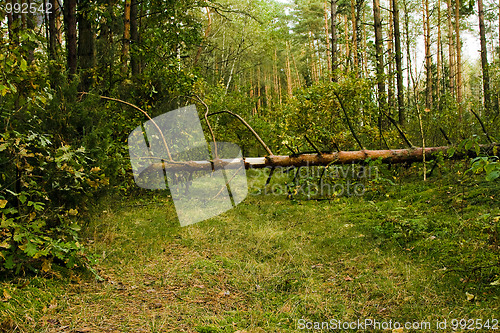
86, 44
334, 38
134, 39
399, 65
428, 59
451, 48
439, 55
327, 40
126, 37
459, 59
207, 31
54, 34
348, 61
379, 55
394, 156
70, 29
289, 81
14, 23
354, 38
390, 66
409, 70
484, 58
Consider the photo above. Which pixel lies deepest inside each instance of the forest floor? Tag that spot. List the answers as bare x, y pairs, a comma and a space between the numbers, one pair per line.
414, 252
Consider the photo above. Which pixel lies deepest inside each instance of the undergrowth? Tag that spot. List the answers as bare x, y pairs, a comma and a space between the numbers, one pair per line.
407, 250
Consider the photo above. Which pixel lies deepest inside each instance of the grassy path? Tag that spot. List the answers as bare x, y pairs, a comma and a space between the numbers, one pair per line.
270, 265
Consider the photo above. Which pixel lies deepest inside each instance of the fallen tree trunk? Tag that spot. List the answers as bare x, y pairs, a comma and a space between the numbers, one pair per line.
392, 156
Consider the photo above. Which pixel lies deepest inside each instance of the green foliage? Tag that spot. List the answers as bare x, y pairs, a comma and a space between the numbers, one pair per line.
489, 165
315, 111
42, 199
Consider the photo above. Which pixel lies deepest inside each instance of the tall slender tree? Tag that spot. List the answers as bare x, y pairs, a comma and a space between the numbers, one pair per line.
428, 59
451, 48
484, 57
126, 37
86, 44
399, 65
459, 58
379, 55
71, 35
333, 22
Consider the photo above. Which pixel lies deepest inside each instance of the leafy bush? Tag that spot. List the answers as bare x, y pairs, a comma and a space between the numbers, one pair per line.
43, 191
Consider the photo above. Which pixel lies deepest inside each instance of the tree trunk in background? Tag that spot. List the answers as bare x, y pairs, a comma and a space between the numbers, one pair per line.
334, 38
439, 56
259, 102
379, 55
126, 37
365, 48
317, 50
484, 58
428, 59
70, 32
459, 58
354, 38
289, 81
347, 49
359, 36
408, 53
86, 44
134, 38
451, 48
13, 23
327, 40
399, 65
54, 33
390, 55
297, 74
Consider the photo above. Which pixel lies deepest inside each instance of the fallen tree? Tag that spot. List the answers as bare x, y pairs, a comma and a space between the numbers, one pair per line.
388, 156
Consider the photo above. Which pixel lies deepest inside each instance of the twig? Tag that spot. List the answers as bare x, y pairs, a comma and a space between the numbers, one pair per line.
270, 176
289, 148
138, 109
408, 142
248, 126
209, 126
336, 145
313, 145
348, 121
227, 183
446, 136
482, 126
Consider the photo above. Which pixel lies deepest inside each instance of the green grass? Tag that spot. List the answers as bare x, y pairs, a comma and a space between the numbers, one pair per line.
407, 252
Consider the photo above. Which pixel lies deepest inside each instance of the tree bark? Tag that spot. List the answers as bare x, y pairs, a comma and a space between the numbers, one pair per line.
53, 33
379, 55
428, 59
327, 40
134, 39
126, 37
86, 45
484, 58
439, 55
71, 41
451, 48
354, 38
459, 59
334, 38
389, 156
399, 65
